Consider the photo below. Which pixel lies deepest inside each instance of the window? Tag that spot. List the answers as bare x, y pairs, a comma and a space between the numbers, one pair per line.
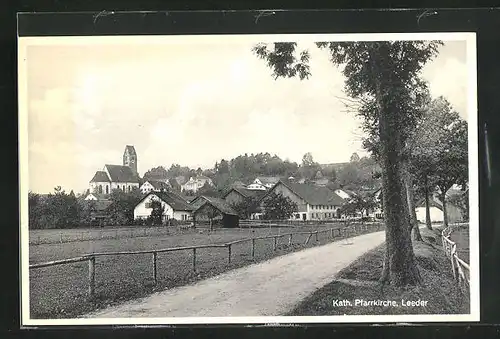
107, 189
100, 188
130, 188
148, 205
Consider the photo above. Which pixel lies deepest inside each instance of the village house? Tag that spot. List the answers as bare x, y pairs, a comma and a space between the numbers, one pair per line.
313, 202
123, 177
263, 183
174, 206
237, 195
194, 184
214, 210
436, 211
154, 186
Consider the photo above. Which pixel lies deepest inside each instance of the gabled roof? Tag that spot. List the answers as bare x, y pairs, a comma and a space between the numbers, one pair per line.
100, 176
217, 203
171, 199
120, 173
246, 193
313, 195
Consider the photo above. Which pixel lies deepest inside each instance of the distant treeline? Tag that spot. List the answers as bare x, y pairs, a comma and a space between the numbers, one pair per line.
245, 168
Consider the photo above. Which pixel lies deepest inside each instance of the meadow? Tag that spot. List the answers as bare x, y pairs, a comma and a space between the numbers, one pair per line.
61, 291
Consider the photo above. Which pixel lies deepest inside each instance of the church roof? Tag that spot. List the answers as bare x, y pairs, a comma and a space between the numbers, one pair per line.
100, 176
120, 173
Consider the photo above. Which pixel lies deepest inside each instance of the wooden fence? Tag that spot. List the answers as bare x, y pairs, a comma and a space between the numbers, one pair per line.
256, 223
332, 233
461, 270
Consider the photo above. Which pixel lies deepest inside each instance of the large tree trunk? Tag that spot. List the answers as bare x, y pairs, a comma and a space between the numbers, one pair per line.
400, 267
428, 221
410, 200
445, 212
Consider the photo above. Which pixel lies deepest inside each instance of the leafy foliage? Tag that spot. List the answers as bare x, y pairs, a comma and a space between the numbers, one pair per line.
278, 207
246, 207
56, 210
157, 210
358, 204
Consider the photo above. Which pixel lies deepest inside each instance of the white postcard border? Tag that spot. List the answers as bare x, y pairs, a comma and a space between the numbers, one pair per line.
470, 38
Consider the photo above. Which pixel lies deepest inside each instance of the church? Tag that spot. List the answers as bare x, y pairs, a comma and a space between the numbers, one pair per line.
123, 177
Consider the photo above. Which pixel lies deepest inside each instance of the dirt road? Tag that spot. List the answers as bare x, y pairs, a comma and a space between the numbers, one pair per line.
270, 288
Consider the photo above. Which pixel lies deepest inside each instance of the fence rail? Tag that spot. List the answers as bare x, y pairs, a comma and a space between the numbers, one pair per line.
344, 231
461, 270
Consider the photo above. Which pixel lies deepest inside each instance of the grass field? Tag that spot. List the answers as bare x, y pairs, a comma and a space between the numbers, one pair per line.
60, 291
360, 281
52, 236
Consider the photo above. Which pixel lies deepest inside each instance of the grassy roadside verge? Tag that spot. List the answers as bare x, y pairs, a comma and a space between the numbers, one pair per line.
360, 281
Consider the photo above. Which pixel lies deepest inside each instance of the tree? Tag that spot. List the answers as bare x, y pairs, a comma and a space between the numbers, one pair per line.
383, 77
211, 213
461, 200
157, 212
278, 207
35, 209
121, 210
223, 167
208, 190
358, 204
156, 173
354, 157
307, 159
440, 152
246, 207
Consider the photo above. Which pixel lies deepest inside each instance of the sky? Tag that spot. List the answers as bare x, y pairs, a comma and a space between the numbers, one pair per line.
191, 104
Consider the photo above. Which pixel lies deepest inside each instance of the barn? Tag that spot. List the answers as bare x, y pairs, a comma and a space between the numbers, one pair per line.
216, 210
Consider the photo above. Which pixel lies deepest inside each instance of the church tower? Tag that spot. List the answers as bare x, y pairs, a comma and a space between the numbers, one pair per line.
130, 158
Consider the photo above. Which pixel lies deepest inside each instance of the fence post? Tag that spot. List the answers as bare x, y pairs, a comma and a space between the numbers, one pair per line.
60, 237
91, 276
229, 253
194, 259
275, 243
155, 279
290, 239
331, 233
316, 235
253, 248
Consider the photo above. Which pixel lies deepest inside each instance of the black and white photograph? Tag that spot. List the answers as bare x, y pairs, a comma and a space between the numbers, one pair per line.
248, 179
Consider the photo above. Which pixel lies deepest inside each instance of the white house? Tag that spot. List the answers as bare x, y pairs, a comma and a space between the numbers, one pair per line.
436, 211
194, 184
263, 183
154, 186
174, 207
313, 202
